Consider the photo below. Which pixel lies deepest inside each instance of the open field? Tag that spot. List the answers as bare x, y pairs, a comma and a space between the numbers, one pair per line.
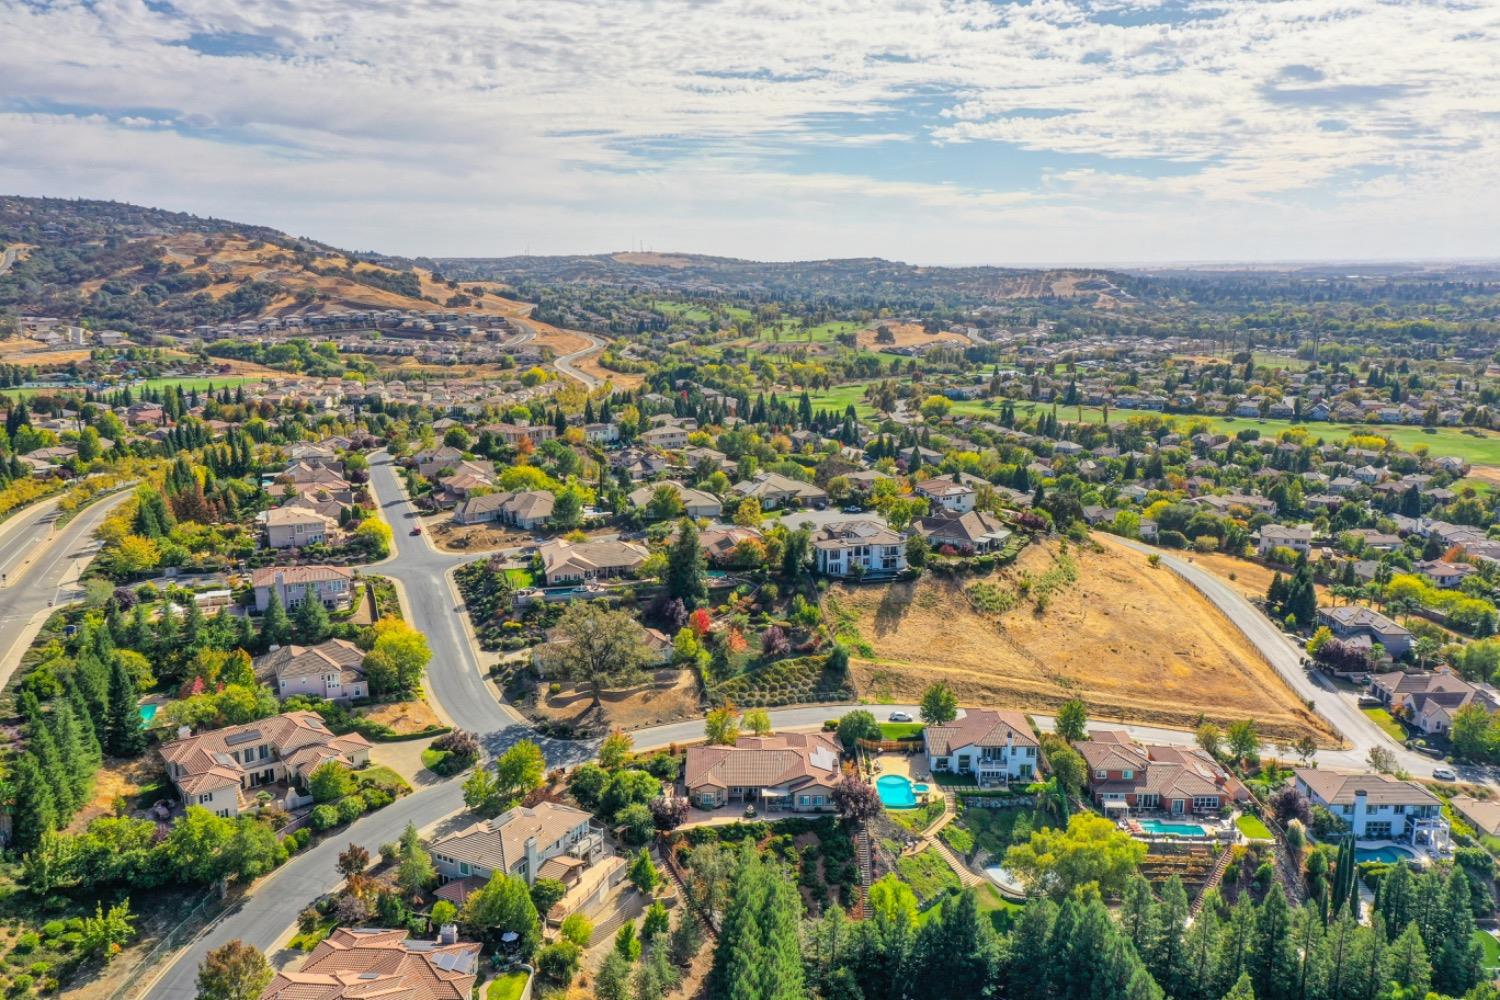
1249, 578
186, 384
671, 696
1136, 643
907, 334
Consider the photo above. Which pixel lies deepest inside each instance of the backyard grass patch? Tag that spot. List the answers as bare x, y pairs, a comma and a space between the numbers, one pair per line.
956, 837
380, 776
900, 730
1252, 827
507, 986
308, 940
1491, 948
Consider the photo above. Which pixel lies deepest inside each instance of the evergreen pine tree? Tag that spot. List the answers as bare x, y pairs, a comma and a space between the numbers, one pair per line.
43, 747
760, 956
275, 629
35, 812
124, 736
310, 619
1406, 962
1457, 959
76, 744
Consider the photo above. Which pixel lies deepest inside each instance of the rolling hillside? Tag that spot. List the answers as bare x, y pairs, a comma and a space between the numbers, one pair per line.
132, 268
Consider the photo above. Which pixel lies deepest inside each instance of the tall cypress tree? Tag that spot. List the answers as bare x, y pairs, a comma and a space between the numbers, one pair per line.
275, 629
124, 736
76, 744
1457, 960
35, 811
760, 957
43, 747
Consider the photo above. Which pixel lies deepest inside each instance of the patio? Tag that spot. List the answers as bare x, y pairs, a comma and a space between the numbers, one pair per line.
912, 767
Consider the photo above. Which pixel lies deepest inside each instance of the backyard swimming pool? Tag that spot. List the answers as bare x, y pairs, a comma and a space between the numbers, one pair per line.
1388, 854
1159, 827
897, 792
148, 712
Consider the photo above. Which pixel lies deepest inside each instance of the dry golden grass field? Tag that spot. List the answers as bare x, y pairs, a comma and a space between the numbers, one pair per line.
1136, 643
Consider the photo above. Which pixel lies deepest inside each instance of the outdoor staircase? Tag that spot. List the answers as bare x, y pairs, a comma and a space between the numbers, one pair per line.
1214, 878
863, 856
679, 882
967, 877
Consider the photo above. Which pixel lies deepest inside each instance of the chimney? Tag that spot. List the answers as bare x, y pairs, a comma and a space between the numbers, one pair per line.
183, 732
448, 934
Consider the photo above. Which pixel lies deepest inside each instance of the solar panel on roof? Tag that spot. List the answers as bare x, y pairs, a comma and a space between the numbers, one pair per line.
245, 737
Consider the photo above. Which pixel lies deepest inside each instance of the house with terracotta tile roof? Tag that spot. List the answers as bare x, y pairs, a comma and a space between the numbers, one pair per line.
333, 670
996, 748
547, 840
332, 585
374, 964
1125, 775
572, 562
221, 769
794, 771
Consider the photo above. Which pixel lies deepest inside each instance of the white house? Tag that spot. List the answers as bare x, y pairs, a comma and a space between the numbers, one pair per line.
1376, 807
869, 545
995, 747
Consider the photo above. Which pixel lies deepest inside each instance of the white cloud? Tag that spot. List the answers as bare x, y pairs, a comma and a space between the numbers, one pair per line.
940, 130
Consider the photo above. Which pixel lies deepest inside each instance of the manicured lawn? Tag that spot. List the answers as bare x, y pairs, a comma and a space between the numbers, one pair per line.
506, 986
1491, 951
1252, 827
1002, 912
899, 730
187, 384
432, 758
382, 777
520, 579
1390, 726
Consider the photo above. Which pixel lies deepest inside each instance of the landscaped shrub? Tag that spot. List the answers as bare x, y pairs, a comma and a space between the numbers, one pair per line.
324, 817
351, 807
27, 942
377, 798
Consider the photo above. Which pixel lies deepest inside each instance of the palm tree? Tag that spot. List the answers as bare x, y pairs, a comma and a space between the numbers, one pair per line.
1051, 799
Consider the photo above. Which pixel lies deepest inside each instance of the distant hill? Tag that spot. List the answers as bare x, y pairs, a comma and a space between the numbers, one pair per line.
131, 268
859, 277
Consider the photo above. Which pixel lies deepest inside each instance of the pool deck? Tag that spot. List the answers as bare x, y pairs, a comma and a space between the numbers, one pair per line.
913, 767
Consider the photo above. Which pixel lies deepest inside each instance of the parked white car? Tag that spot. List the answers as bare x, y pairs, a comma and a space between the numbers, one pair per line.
900, 717
1445, 774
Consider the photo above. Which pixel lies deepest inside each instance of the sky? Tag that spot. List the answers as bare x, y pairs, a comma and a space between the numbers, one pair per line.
930, 131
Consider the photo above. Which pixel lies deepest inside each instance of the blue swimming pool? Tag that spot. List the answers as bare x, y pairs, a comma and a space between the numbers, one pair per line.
897, 792
1389, 854
1158, 827
148, 712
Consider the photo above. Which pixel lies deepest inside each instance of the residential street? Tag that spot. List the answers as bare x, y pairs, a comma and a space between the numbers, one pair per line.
1337, 707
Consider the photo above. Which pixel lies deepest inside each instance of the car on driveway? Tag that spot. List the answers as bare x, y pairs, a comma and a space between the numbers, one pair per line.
900, 717
1445, 774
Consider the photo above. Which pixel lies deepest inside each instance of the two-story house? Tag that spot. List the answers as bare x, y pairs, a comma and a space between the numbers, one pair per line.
333, 670
296, 526
1125, 775
1355, 621
996, 748
947, 492
547, 840
333, 586
863, 546
1377, 807
220, 769
1298, 538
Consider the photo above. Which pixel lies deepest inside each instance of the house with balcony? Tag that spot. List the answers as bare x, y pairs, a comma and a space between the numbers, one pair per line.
547, 840
1378, 807
996, 748
862, 547
296, 526
947, 492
